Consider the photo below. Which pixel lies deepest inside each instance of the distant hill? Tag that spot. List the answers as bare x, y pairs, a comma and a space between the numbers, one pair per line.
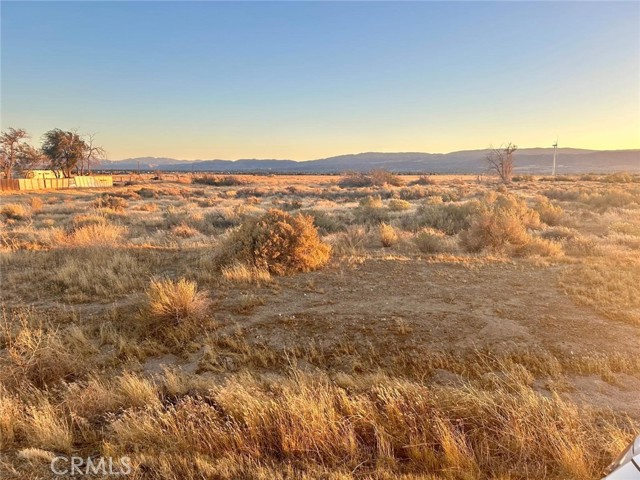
528, 160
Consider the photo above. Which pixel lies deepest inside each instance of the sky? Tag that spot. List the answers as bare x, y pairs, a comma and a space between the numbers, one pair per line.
307, 80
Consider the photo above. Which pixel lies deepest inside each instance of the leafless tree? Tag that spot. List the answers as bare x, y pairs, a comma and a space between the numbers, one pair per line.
92, 154
11, 142
501, 160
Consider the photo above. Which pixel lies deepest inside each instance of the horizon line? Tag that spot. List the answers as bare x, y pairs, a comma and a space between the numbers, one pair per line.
368, 153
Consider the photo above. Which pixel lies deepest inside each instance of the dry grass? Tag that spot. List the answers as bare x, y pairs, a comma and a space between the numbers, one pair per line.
388, 235
172, 302
86, 274
14, 211
424, 361
110, 203
221, 180
44, 427
36, 204
375, 178
37, 353
404, 426
610, 284
93, 234
450, 218
184, 231
542, 247
626, 228
399, 205
504, 221
371, 210
350, 242
245, 274
549, 213
430, 241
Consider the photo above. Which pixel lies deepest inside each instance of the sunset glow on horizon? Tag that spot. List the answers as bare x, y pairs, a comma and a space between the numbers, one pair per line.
205, 80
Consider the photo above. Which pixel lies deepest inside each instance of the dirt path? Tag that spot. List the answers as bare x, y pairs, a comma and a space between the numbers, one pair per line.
445, 305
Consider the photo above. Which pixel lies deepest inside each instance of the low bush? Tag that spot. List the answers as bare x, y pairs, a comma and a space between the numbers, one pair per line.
287, 206
375, 178
424, 180
355, 180
601, 200
254, 192
539, 246
610, 198
523, 178
388, 235
451, 218
278, 242
220, 180
560, 234
398, 205
326, 222
36, 204
14, 211
350, 242
619, 177
147, 193
84, 219
371, 210
94, 235
415, 192
549, 213
563, 194
174, 216
172, 301
589, 177
429, 240
626, 228
380, 178
583, 247
184, 231
225, 217
503, 222
110, 202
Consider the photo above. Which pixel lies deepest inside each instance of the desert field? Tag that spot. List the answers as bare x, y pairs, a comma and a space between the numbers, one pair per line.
336, 327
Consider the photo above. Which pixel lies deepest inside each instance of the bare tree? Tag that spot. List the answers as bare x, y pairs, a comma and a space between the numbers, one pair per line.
92, 154
11, 143
501, 160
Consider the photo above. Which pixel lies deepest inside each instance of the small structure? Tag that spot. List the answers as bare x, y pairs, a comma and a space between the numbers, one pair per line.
41, 174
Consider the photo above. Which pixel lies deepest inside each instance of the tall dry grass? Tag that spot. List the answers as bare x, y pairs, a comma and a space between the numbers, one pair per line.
93, 378
173, 301
308, 421
36, 352
246, 274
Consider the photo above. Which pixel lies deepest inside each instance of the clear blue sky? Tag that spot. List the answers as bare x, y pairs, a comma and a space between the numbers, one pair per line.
309, 80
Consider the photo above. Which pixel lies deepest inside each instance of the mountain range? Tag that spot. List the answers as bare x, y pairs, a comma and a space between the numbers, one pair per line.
527, 160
